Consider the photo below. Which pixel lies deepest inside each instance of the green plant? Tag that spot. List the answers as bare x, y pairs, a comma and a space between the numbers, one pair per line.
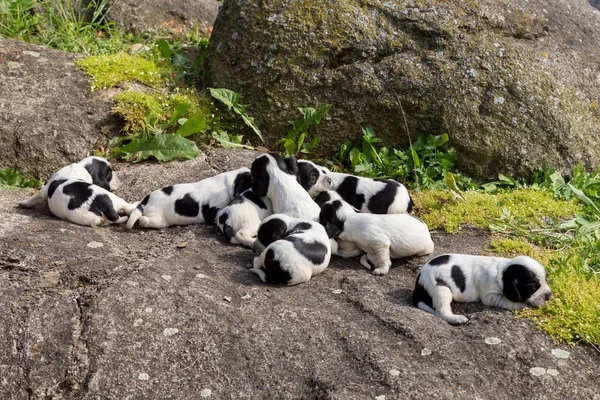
14, 180
232, 100
108, 70
230, 141
295, 141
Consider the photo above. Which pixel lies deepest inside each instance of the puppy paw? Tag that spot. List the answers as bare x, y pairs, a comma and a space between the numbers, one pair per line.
456, 319
364, 261
380, 271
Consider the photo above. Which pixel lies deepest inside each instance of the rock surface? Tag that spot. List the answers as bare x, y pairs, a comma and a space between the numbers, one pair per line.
174, 313
48, 118
140, 16
515, 84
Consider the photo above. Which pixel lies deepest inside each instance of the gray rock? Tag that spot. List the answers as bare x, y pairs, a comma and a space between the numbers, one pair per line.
367, 58
100, 332
144, 15
48, 117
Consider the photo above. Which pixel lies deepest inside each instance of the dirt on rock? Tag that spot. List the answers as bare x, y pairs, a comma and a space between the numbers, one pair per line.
174, 313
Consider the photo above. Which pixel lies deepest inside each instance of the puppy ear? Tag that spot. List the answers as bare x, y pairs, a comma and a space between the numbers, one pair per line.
260, 176
270, 231
519, 282
242, 183
100, 172
322, 198
328, 218
292, 165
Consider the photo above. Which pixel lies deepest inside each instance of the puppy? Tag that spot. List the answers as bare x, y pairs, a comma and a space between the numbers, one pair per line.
292, 250
512, 284
93, 169
380, 236
344, 248
239, 221
190, 203
313, 178
376, 196
275, 178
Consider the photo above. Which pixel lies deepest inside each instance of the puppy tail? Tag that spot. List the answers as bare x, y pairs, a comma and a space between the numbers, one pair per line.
103, 205
135, 215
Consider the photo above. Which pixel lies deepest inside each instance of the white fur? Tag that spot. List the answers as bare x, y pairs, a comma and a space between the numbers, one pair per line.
287, 255
483, 282
159, 210
381, 237
243, 218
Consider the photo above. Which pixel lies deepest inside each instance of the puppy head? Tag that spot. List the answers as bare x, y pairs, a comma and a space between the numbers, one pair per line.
223, 228
267, 165
101, 173
333, 216
524, 281
271, 229
243, 182
313, 178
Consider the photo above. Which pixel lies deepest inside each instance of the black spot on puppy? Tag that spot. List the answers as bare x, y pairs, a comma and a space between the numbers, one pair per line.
519, 283
347, 189
441, 282
209, 213
322, 198
103, 205
187, 206
411, 204
307, 175
275, 273
144, 201
260, 177
329, 219
249, 194
242, 183
381, 201
226, 230
270, 231
79, 192
458, 277
55, 184
167, 190
300, 227
420, 295
313, 252
101, 173
287, 165
440, 260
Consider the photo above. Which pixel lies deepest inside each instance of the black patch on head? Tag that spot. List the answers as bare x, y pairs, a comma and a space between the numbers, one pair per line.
223, 228
519, 283
79, 191
307, 175
313, 252
300, 227
420, 295
329, 219
260, 177
381, 201
347, 189
411, 204
287, 165
209, 213
101, 173
55, 184
187, 206
459, 278
270, 231
441, 282
103, 206
275, 274
249, 194
144, 201
167, 190
242, 183
440, 260
322, 198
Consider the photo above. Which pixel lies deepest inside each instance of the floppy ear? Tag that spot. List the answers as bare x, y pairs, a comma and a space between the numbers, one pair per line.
522, 283
271, 231
242, 183
100, 172
292, 165
329, 219
260, 176
322, 198
510, 281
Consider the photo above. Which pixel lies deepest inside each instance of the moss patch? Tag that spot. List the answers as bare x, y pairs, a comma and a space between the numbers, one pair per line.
109, 70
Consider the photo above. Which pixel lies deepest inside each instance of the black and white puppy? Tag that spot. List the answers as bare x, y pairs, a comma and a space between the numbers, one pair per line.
376, 196
80, 193
345, 248
239, 221
512, 284
275, 178
92, 169
382, 237
190, 203
292, 250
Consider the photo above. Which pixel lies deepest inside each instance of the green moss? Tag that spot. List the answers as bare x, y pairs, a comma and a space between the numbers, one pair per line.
109, 70
440, 210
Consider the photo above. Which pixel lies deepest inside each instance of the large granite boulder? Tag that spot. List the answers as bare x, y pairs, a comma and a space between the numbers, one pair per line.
515, 84
48, 117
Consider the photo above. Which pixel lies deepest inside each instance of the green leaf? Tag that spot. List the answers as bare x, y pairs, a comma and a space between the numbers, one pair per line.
355, 156
415, 158
14, 180
310, 117
178, 112
300, 142
507, 179
164, 49
290, 148
161, 147
231, 100
230, 141
194, 124
440, 140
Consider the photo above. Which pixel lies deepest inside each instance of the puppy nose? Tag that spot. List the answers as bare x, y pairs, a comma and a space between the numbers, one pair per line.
547, 296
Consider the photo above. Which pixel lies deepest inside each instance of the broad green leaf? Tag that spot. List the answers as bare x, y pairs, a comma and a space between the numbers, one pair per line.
194, 124
584, 199
14, 180
164, 49
415, 158
310, 117
230, 141
178, 112
440, 140
355, 156
507, 179
231, 100
290, 148
161, 147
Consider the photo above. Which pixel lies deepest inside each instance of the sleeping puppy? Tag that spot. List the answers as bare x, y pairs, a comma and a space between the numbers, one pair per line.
190, 203
292, 250
380, 236
275, 178
512, 284
93, 169
345, 248
376, 196
239, 221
